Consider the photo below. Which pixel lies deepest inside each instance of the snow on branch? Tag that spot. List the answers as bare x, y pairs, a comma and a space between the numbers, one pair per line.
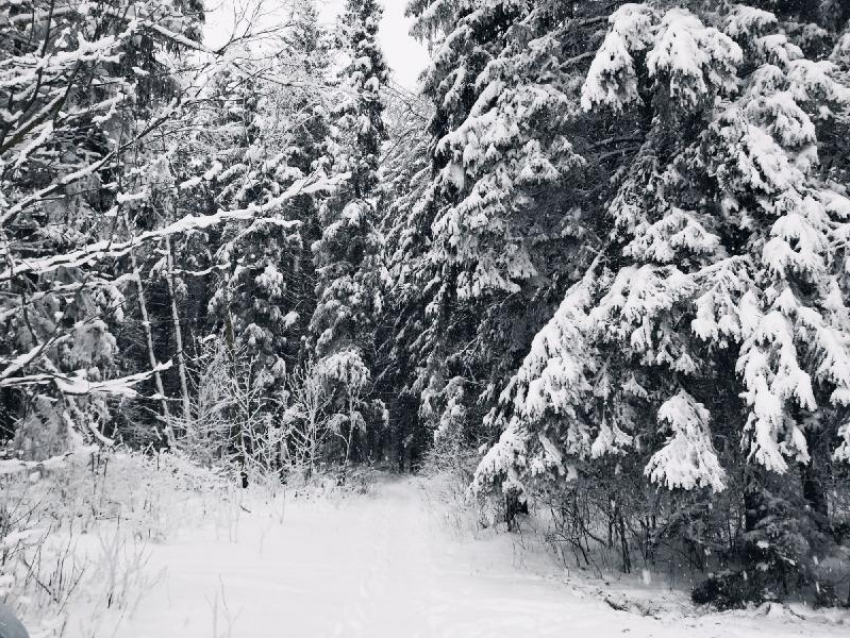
13, 466
78, 385
683, 56
22, 360
688, 459
109, 248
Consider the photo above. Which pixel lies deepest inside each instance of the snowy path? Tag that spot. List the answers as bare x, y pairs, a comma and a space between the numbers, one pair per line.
383, 566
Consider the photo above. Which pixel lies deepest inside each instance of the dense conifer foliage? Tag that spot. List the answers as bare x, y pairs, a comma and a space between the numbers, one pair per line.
598, 261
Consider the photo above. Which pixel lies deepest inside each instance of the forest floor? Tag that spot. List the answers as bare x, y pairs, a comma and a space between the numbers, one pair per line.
393, 562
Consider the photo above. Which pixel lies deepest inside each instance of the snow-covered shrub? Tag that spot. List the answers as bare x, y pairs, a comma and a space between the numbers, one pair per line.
729, 589
450, 452
207, 438
449, 464
328, 415
76, 528
235, 423
317, 419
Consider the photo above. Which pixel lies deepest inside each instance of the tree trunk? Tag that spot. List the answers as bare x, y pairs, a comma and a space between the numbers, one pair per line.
146, 324
754, 499
624, 543
513, 508
812, 479
813, 490
178, 336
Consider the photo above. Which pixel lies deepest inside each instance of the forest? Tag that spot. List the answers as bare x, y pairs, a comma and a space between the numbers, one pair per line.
594, 269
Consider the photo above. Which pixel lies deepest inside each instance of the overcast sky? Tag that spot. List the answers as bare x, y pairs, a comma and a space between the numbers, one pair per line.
405, 55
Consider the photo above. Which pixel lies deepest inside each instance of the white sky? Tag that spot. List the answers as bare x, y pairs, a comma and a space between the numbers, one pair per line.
405, 55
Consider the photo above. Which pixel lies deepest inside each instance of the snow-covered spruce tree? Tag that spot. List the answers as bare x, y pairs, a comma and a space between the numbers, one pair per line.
306, 149
406, 174
707, 340
256, 258
311, 47
267, 132
263, 133
490, 242
347, 256
359, 119
84, 85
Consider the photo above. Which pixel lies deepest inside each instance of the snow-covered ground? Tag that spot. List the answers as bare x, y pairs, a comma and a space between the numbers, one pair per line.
386, 564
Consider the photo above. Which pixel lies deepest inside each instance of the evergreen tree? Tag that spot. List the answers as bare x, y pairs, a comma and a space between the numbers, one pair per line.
270, 136
407, 174
359, 119
258, 258
347, 257
501, 221
712, 311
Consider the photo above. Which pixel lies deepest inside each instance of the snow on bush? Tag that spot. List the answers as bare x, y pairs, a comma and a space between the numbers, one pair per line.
76, 530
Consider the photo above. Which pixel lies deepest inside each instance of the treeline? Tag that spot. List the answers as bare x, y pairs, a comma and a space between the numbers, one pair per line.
599, 263
191, 238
